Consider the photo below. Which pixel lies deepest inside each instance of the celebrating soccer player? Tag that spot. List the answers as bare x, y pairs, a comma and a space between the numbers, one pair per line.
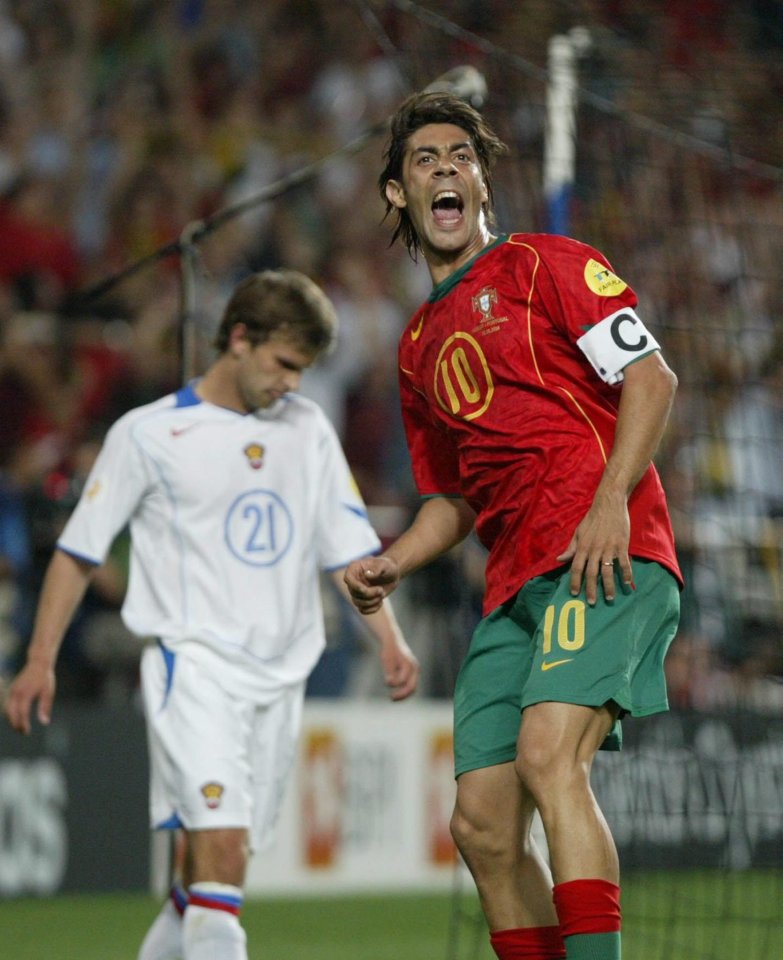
534, 399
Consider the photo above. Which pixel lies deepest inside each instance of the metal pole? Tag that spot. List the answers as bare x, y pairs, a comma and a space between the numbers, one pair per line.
560, 139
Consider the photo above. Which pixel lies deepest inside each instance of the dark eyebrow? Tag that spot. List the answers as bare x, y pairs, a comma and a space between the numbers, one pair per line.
291, 364
450, 148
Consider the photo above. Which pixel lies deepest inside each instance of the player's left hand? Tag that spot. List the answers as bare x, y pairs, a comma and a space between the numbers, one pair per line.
598, 550
400, 669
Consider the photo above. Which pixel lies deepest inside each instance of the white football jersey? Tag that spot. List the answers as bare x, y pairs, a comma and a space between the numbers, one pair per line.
232, 516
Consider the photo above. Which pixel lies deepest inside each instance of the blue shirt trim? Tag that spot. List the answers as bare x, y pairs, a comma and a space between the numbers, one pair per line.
186, 396
78, 556
170, 659
173, 823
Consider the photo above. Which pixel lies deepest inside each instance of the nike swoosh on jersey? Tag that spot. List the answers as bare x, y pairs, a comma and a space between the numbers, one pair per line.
555, 663
416, 333
178, 431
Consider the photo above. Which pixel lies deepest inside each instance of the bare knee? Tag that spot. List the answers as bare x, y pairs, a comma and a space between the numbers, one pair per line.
491, 819
542, 770
556, 747
485, 848
218, 856
469, 831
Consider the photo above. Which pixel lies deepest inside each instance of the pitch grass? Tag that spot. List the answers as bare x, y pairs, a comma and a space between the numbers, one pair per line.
669, 915
110, 927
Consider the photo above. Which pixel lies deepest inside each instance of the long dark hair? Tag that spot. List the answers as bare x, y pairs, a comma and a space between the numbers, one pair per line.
417, 111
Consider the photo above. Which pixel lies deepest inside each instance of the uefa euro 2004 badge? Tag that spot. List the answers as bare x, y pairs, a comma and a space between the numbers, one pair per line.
213, 794
93, 490
600, 279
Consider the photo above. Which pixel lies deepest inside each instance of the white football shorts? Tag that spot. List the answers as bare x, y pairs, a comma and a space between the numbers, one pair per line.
216, 759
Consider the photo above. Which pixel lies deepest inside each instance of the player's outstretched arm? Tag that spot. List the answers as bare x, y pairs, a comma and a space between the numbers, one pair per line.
440, 524
63, 588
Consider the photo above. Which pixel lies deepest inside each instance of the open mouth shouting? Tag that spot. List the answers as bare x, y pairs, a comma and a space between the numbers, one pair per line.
447, 207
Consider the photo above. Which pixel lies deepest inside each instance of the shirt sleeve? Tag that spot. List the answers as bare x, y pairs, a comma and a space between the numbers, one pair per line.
434, 460
344, 532
114, 488
593, 307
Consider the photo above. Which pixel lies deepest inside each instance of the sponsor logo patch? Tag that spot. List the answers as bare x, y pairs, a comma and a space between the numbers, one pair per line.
178, 431
555, 663
600, 279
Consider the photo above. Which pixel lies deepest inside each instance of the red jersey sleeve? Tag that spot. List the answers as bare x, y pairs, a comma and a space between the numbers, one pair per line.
434, 460
578, 286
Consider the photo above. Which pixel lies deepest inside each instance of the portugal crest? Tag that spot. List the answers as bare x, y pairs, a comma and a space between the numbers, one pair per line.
483, 302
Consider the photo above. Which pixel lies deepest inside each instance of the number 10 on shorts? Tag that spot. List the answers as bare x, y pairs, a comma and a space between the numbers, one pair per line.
564, 625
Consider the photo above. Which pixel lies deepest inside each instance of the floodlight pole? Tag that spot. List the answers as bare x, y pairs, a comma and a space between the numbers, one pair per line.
560, 136
190, 262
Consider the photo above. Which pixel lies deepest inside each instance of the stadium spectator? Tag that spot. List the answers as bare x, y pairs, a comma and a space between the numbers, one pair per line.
38, 259
754, 437
134, 119
15, 558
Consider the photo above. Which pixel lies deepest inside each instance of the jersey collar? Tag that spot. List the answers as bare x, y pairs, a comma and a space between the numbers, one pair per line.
186, 396
454, 278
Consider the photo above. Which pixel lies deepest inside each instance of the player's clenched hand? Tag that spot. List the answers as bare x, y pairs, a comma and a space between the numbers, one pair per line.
35, 682
369, 580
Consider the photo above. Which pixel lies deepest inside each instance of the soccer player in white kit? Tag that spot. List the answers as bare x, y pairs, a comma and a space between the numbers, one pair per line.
237, 494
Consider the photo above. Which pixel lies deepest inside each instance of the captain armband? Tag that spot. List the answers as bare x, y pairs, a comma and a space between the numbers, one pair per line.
615, 342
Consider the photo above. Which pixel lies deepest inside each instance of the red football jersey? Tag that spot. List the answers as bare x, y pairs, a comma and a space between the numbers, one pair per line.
503, 408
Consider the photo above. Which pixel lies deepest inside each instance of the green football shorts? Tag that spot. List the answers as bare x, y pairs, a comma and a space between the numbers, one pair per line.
544, 644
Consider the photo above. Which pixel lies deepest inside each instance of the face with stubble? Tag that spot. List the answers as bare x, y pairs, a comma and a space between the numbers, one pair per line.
443, 191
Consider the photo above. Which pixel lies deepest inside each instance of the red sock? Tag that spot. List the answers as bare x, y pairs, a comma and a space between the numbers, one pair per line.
528, 943
587, 906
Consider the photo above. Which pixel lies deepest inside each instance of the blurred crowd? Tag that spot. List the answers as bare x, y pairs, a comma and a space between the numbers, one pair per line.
124, 123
